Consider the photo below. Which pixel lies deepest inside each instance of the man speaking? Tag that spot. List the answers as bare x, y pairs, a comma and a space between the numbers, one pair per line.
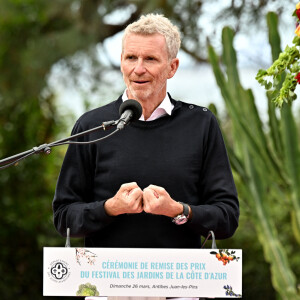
162, 182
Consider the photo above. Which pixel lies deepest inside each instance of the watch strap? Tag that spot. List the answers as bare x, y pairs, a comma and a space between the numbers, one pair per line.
186, 209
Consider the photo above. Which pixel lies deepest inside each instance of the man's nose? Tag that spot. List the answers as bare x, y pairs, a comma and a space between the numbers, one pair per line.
139, 67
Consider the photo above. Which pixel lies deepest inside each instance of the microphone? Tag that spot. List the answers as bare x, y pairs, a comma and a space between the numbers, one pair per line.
130, 110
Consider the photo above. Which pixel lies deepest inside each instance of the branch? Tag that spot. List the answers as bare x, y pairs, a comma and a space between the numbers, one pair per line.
194, 55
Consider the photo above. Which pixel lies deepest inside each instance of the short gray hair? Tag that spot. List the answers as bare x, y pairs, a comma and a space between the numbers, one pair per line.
156, 23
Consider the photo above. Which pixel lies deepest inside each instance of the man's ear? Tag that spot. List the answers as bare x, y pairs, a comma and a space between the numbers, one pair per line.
174, 66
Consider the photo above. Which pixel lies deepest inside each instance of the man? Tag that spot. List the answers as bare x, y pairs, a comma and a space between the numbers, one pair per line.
162, 182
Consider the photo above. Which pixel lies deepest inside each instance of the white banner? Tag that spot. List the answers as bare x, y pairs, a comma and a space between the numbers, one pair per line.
142, 272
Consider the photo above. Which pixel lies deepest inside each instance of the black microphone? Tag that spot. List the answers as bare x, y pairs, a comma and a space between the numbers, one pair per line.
130, 110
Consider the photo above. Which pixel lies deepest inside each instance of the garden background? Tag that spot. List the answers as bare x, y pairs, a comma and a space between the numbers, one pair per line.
60, 58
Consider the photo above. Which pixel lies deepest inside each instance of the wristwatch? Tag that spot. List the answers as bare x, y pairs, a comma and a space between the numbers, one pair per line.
182, 218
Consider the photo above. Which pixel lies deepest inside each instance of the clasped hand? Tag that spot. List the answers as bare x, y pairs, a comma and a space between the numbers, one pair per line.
130, 199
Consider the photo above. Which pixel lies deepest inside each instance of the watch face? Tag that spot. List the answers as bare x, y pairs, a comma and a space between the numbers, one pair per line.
181, 219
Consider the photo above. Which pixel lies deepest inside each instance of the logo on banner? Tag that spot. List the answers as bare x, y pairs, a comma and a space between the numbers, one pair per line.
59, 271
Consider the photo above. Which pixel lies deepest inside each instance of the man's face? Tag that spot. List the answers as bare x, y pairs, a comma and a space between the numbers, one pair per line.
146, 67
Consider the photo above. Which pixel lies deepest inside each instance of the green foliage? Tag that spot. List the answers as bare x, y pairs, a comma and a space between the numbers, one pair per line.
272, 77
87, 290
28, 118
266, 167
282, 74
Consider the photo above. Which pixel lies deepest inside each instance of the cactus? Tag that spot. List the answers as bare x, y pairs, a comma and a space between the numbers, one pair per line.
265, 162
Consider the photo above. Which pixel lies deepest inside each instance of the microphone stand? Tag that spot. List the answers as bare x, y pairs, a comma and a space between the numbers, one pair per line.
46, 148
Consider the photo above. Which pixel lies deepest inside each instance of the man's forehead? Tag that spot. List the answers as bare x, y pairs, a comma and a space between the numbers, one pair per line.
144, 41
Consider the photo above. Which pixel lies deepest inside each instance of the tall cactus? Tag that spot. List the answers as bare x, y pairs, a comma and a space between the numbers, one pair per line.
266, 162
287, 136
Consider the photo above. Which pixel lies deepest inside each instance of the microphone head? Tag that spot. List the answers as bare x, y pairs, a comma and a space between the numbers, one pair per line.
134, 106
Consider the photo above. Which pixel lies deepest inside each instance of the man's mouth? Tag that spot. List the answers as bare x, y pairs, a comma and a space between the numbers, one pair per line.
140, 81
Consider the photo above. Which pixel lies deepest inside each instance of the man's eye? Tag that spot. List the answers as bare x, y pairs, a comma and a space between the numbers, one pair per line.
150, 58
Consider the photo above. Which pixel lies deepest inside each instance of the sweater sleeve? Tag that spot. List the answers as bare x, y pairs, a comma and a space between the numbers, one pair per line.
73, 203
219, 207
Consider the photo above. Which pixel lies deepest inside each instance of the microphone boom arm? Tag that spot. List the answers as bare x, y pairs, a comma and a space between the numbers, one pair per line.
129, 110
46, 148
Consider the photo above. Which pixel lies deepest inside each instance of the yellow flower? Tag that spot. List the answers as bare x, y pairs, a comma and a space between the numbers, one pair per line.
297, 31
298, 5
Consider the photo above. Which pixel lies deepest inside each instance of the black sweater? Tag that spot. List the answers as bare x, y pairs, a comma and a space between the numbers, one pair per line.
184, 153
